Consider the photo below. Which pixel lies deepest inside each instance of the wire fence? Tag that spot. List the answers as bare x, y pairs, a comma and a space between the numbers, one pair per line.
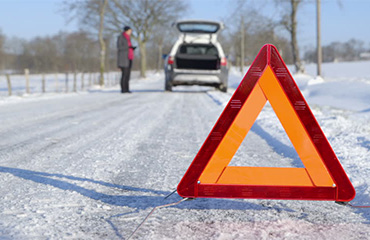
26, 83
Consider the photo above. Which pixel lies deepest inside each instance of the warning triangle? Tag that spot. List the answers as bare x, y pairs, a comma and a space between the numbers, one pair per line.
267, 79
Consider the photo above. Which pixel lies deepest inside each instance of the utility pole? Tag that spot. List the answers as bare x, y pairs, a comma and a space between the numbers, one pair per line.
242, 45
319, 50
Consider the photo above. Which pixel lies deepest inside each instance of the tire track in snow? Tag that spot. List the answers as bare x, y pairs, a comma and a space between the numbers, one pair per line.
165, 151
49, 120
63, 132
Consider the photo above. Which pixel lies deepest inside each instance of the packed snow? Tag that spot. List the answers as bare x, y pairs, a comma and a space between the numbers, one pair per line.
92, 164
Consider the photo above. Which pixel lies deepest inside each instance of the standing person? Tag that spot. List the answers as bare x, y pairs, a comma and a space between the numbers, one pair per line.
125, 57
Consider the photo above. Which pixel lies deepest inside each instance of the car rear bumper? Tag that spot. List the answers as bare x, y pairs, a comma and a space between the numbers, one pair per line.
196, 77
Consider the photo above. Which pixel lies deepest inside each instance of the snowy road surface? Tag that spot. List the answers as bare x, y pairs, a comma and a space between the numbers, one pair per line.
92, 166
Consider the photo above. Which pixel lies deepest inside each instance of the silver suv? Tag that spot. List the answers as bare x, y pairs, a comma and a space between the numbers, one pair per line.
197, 57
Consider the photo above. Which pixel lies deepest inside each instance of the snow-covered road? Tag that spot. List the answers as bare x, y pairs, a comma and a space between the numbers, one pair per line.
92, 166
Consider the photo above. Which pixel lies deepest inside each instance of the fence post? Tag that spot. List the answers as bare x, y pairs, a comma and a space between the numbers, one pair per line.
43, 83
56, 82
66, 81
9, 84
90, 79
26, 73
82, 81
75, 81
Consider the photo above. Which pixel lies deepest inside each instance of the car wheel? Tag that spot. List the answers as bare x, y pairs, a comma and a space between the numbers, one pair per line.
222, 88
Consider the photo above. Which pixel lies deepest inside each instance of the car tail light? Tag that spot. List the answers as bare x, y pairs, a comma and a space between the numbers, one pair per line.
170, 60
223, 61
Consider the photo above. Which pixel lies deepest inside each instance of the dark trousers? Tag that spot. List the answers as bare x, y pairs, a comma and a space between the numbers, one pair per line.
125, 77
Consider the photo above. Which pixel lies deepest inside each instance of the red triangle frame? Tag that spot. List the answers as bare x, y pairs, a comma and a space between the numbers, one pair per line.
268, 58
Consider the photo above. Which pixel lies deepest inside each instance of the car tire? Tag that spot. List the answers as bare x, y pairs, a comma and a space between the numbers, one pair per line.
222, 88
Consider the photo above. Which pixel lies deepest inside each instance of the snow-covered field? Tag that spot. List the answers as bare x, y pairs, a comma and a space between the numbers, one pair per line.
93, 164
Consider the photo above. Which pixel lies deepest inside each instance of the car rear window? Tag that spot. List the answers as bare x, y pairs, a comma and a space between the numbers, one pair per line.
198, 27
198, 50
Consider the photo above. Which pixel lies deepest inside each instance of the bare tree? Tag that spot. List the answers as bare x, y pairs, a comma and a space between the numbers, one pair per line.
77, 51
241, 12
247, 30
102, 6
242, 45
161, 39
2, 53
338, 51
143, 16
289, 21
90, 14
63, 51
158, 40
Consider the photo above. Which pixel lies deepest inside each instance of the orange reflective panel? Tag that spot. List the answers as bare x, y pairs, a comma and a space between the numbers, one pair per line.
268, 88
235, 136
295, 129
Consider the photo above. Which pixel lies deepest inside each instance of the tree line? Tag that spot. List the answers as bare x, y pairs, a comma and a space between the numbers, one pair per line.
350, 50
63, 52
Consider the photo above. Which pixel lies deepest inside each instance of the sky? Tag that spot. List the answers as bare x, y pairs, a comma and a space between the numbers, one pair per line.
341, 19
30, 18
